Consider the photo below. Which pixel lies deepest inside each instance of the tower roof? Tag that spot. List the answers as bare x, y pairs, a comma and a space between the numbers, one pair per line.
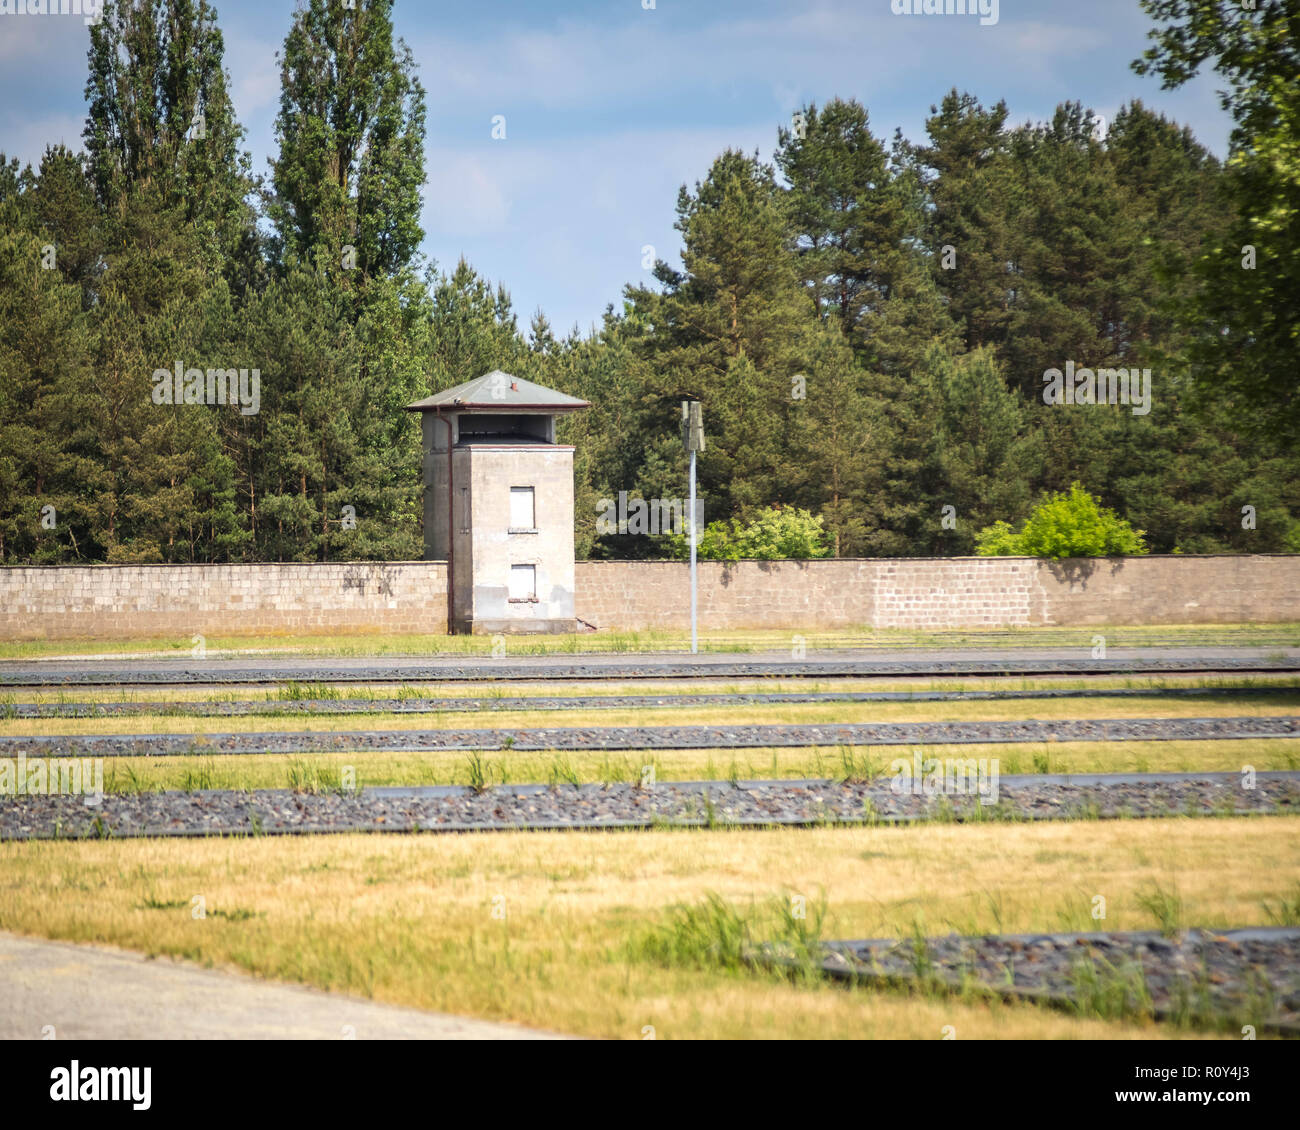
498, 392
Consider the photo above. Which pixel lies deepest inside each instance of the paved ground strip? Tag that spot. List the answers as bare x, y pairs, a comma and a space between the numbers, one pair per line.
665, 804
1208, 976
727, 736
74, 992
380, 705
1059, 661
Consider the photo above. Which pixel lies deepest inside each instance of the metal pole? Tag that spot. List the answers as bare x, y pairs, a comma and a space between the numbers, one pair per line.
695, 643
451, 535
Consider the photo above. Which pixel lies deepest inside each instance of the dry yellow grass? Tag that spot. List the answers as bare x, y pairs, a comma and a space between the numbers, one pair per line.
409, 919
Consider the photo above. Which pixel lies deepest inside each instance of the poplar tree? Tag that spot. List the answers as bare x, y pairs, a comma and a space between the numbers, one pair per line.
350, 132
161, 117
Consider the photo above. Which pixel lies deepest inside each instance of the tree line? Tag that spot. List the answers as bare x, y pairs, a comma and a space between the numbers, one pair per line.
866, 321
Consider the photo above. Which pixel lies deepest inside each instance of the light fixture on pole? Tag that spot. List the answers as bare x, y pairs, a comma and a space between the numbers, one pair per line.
693, 438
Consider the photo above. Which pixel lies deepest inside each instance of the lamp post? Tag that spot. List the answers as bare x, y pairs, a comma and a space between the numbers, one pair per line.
693, 438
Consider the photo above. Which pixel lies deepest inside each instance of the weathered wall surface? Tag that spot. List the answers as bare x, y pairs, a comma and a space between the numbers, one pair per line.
957, 592
493, 547
118, 601
110, 601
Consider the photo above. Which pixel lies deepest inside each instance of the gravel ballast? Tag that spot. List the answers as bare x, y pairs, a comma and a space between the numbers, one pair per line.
599, 806
725, 736
380, 705
1248, 976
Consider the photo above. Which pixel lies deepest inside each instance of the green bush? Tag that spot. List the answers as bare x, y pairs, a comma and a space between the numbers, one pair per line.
1291, 543
776, 534
1072, 524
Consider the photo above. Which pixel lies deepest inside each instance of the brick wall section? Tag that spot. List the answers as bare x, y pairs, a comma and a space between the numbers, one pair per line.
961, 592
743, 594
119, 601
110, 601
956, 592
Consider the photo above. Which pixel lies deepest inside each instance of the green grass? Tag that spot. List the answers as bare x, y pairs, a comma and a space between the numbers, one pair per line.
716, 933
720, 715
1165, 906
294, 691
280, 771
786, 932
1284, 910
608, 934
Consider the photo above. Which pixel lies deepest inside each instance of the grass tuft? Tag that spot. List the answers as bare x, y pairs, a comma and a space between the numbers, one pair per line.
1165, 906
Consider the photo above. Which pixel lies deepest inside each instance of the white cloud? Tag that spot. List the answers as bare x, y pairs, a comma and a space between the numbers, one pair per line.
463, 197
1044, 42
610, 112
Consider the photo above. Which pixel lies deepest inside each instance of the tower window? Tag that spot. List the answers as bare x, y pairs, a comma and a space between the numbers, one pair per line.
523, 514
523, 582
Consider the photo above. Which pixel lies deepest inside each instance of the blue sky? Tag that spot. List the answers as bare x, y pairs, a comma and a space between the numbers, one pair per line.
610, 106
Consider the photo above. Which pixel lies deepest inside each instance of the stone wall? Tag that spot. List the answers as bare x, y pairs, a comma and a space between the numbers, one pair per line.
118, 601
110, 601
954, 592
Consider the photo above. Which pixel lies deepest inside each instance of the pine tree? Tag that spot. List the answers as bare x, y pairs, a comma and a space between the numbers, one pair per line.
1173, 184
1076, 247
730, 330
986, 454
841, 440
44, 340
63, 212
845, 209
161, 486
305, 440
472, 330
965, 169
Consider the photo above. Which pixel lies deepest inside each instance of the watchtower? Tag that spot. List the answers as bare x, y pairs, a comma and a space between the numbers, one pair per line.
498, 504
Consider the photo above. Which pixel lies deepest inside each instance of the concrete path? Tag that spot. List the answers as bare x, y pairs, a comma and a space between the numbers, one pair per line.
100, 993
